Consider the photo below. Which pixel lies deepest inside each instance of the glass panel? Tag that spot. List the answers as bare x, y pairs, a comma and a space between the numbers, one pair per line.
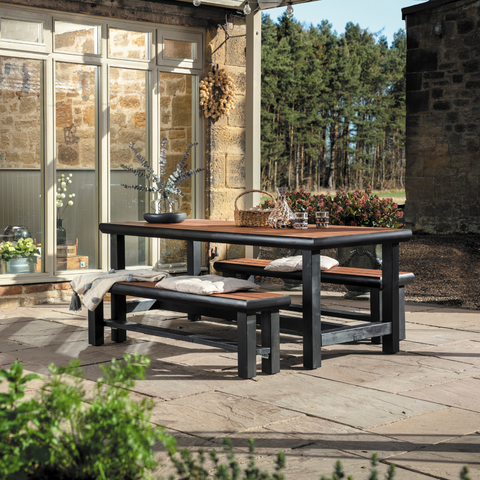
177, 126
76, 38
128, 44
21, 152
21, 31
179, 49
76, 121
127, 124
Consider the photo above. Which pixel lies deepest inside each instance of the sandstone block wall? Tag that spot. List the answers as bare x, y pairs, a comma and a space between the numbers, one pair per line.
443, 117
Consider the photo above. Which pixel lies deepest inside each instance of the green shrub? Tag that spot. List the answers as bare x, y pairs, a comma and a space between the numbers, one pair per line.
357, 209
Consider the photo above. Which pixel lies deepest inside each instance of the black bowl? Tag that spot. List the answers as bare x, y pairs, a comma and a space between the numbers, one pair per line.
164, 217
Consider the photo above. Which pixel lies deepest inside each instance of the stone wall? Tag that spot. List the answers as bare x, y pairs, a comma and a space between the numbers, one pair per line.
443, 117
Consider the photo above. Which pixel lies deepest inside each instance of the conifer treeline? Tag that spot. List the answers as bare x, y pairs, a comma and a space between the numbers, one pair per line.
333, 107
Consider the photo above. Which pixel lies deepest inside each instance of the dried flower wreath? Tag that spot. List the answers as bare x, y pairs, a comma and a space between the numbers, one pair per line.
217, 93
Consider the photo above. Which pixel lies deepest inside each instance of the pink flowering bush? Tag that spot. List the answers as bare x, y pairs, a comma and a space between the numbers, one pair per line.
357, 209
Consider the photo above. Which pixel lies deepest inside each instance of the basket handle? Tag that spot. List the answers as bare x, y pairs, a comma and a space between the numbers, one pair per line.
251, 191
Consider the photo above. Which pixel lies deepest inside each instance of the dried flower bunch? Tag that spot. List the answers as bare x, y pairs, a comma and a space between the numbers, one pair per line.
62, 202
217, 94
23, 248
162, 187
357, 209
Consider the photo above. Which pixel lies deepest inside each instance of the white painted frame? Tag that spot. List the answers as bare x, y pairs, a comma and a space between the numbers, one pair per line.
154, 65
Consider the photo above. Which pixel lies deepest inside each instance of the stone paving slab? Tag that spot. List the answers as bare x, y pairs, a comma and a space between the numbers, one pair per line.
168, 381
438, 335
346, 404
432, 427
462, 394
468, 320
394, 373
465, 351
215, 414
446, 459
313, 461
341, 437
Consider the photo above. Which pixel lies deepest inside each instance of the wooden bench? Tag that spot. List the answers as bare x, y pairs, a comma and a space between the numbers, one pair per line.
358, 277
245, 307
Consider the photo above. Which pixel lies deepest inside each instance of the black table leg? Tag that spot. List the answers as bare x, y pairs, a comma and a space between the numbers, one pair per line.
118, 302
194, 266
312, 326
390, 296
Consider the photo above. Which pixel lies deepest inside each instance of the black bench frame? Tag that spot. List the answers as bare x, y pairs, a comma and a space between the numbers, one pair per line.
232, 268
260, 307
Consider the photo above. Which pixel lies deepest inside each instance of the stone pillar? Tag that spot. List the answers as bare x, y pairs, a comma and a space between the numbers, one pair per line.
443, 117
225, 136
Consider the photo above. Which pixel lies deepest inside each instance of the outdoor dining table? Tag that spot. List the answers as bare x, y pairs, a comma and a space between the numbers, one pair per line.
310, 241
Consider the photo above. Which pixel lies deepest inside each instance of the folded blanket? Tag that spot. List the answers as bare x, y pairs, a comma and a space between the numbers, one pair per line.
94, 286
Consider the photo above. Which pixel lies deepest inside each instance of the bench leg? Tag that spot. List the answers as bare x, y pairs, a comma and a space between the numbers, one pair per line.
95, 326
119, 314
247, 345
270, 323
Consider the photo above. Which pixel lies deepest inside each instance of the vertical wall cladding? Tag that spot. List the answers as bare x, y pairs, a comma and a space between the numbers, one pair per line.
443, 117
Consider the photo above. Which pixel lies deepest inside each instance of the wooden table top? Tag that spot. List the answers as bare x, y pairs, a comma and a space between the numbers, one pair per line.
224, 231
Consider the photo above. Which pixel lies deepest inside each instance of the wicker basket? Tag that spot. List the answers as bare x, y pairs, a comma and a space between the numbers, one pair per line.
252, 218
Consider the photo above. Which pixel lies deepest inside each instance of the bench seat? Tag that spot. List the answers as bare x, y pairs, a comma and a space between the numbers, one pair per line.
358, 277
245, 307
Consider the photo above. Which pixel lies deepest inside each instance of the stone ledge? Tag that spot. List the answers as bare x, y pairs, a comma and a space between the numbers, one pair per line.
14, 296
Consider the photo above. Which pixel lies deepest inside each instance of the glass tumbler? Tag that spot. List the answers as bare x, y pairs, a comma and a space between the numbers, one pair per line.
322, 219
301, 220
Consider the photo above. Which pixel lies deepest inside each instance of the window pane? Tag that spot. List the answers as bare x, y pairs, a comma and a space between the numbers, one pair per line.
21, 152
179, 49
77, 225
128, 44
21, 31
76, 38
176, 125
127, 124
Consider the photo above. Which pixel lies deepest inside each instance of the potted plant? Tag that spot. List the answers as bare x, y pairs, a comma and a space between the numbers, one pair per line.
163, 202
19, 257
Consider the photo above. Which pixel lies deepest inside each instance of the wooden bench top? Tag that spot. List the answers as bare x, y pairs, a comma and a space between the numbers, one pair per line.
257, 267
241, 301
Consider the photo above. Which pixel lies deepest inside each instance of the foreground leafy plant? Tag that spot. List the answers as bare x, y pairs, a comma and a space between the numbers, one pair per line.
62, 437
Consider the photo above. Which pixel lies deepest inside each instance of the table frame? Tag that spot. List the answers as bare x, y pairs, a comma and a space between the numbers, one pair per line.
311, 241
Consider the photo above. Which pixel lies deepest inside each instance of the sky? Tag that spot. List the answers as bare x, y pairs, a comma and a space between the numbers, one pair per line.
383, 16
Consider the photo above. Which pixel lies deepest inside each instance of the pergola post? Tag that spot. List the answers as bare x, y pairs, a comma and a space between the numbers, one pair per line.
252, 107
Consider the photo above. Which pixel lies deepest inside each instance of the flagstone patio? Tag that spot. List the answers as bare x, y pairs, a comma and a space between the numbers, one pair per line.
418, 409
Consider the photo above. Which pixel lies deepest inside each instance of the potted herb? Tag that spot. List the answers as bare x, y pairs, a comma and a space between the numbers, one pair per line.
19, 257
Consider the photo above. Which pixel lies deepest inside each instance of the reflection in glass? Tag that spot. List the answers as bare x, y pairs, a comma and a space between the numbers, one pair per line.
128, 44
21, 154
179, 49
75, 114
21, 31
76, 37
127, 124
177, 126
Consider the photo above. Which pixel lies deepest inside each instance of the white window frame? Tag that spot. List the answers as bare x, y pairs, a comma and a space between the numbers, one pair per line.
129, 28
155, 65
28, 16
169, 33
